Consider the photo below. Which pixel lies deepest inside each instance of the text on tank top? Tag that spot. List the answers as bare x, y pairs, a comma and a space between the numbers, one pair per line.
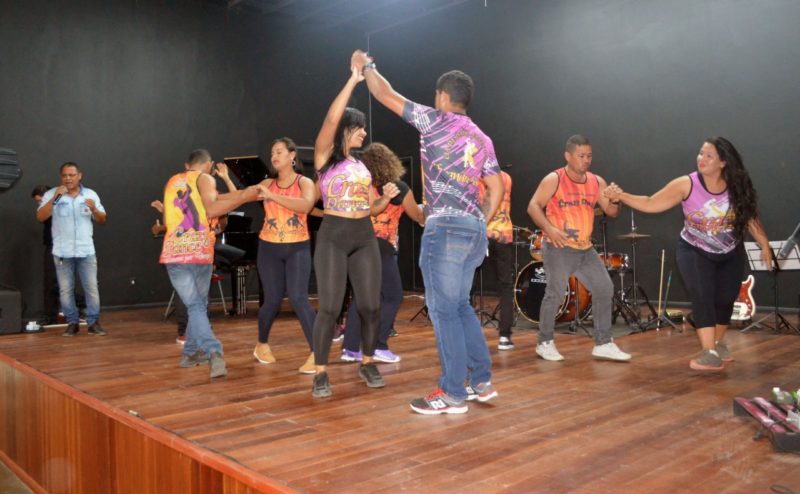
344, 187
708, 219
190, 237
571, 209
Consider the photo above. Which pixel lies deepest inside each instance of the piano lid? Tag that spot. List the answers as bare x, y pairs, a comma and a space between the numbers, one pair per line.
249, 170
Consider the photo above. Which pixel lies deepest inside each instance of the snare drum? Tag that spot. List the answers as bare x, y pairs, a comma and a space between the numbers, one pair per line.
529, 292
616, 261
535, 244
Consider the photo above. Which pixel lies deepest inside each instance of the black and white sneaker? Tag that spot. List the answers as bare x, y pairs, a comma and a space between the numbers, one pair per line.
482, 392
370, 375
322, 386
437, 403
505, 343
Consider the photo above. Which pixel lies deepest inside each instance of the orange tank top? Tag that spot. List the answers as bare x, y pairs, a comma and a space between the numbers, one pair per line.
500, 227
281, 224
572, 208
190, 237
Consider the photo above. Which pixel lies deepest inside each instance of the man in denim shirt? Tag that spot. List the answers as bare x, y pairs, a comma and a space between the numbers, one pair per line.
73, 208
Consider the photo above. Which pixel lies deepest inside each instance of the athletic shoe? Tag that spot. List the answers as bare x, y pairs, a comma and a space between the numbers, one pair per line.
96, 330
386, 356
72, 330
217, 365
393, 333
505, 343
437, 403
707, 360
370, 375
197, 358
482, 392
308, 367
610, 351
338, 332
181, 339
548, 351
322, 386
348, 356
723, 352
263, 354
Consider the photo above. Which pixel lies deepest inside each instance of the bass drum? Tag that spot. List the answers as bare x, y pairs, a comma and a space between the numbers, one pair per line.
529, 292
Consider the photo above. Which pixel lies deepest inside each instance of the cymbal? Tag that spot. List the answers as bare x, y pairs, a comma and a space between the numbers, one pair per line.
633, 236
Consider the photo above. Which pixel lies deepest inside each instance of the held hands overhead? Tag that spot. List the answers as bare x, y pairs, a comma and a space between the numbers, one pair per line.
358, 60
612, 192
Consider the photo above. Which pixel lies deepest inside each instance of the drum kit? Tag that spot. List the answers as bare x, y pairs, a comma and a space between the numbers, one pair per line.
531, 281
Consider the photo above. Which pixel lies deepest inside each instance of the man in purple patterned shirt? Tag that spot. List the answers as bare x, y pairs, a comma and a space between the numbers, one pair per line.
456, 155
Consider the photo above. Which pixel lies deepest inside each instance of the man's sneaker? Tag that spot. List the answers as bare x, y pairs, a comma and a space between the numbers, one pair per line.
393, 333
263, 354
96, 330
308, 367
197, 358
610, 351
350, 356
723, 352
217, 365
386, 356
338, 332
322, 386
437, 403
505, 343
369, 374
547, 351
482, 392
181, 339
72, 330
707, 360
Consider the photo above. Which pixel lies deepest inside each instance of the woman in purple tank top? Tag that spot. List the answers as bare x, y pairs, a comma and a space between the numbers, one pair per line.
719, 206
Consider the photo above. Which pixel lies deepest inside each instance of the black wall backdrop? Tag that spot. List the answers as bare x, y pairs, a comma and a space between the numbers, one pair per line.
127, 89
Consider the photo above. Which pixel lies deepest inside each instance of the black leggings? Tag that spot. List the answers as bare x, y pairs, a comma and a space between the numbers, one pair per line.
345, 248
284, 268
713, 282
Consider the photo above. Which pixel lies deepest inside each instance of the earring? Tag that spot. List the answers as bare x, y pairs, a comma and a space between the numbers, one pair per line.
294, 162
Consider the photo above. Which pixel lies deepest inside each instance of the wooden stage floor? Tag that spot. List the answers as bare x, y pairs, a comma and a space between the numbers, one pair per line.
651, 425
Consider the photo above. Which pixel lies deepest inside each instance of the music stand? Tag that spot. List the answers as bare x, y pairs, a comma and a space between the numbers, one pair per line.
791, 262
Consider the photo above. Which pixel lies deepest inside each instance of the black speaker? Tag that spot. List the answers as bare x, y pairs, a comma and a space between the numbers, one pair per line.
10, 311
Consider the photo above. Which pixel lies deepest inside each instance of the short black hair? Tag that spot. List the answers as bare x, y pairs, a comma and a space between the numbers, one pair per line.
68, 164
575, 141
39, 190
458, 86
198, 156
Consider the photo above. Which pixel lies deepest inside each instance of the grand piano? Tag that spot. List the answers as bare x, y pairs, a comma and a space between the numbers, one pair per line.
241, 232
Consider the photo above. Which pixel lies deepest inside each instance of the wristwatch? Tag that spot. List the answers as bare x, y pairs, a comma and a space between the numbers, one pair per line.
370, 65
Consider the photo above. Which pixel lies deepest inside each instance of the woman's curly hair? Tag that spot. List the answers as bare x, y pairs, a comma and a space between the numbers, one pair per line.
382, 163
743, 198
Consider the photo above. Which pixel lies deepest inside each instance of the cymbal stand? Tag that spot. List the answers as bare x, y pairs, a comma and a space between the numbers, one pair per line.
484, 317
635, 289
577, 323
662, 316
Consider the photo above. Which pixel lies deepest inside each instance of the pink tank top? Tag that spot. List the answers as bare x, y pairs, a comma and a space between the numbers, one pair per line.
345, 187
708, 219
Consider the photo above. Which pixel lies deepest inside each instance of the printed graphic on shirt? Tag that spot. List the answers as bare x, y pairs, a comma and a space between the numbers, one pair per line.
189, 239
345, 187
455, 154
281, 224
572, 208
708, 219
500, 227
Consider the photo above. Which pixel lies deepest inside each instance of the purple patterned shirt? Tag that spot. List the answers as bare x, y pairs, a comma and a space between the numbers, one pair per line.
708, 219
455, 154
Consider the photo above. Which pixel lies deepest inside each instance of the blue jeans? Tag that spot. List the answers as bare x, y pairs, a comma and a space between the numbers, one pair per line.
86, 267
450, 251
191, 283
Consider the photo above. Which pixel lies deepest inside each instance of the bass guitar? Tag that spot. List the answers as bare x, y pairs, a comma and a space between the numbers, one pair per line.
745, 305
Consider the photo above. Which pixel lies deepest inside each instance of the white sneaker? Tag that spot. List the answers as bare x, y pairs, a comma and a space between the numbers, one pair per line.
610, 351
547, 351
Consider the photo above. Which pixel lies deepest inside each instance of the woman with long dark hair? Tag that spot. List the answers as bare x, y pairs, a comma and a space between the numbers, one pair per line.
385, 168
346, 244
284, 248
719, 206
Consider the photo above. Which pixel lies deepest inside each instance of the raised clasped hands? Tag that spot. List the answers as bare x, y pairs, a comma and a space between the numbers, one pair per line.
158, 206
359, 59
221, 170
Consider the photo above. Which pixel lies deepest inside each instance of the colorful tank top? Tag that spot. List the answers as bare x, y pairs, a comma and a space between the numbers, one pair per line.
281, 224
345, 187
500, 227
708, 219
189, 238
572, 208
387, 223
